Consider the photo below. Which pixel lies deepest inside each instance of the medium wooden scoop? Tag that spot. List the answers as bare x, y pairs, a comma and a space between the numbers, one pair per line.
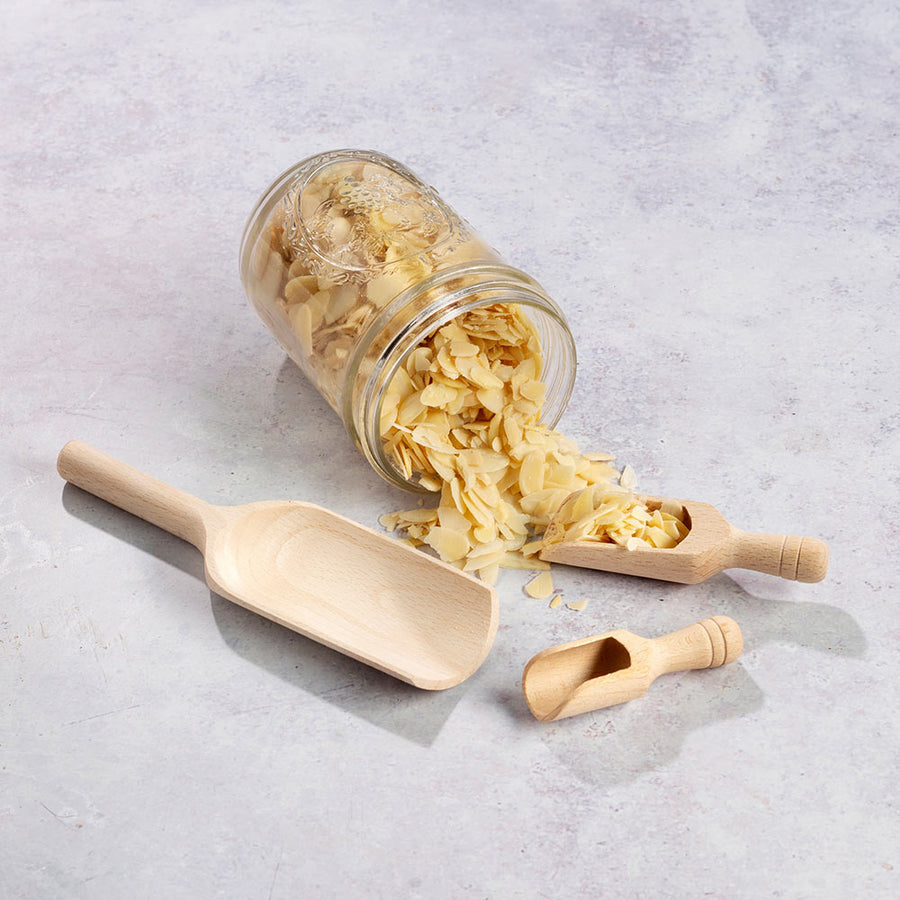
359, 592
600, 671
711, 545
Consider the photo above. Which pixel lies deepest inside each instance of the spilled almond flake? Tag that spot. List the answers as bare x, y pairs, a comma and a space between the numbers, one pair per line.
540, 587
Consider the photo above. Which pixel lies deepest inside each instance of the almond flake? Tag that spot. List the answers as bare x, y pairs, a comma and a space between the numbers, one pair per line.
540, 587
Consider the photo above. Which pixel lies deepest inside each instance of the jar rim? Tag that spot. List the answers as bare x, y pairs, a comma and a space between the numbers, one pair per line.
509, 286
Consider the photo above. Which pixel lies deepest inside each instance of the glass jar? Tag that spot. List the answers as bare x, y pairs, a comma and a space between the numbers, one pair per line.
352, 262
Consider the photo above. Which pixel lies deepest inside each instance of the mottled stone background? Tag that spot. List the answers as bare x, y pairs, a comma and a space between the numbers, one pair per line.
710, 190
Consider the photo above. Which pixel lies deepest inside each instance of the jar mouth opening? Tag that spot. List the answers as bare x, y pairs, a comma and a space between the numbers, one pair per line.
558, 357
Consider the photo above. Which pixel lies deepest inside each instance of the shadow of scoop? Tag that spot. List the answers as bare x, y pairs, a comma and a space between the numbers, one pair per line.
618, 744
322, 673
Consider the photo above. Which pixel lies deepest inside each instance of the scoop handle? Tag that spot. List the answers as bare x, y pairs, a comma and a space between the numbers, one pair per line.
707, 644
788, 556
116, 482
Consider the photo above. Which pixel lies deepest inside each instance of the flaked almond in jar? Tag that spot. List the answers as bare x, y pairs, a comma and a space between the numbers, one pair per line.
448, 367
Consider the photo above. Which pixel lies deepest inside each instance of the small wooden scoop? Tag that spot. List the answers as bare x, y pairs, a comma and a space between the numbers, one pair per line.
711, 545
335, 581
596, 672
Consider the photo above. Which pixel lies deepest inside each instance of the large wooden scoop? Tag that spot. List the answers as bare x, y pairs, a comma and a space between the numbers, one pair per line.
606, 669
711, 545
335, 581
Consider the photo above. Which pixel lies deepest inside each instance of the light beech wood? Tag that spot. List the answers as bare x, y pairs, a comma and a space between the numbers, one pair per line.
600, 671
712, 544
359, 592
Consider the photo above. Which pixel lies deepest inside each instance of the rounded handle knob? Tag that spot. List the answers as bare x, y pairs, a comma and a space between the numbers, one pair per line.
788, 556
808, 558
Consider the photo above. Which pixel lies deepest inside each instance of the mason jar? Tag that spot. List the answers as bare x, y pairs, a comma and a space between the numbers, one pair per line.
352, 262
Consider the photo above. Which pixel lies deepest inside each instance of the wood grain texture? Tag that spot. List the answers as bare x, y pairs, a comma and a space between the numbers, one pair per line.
606, 669
333, 580
712, 544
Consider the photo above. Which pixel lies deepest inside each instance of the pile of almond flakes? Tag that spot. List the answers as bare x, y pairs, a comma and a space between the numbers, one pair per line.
465, 415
